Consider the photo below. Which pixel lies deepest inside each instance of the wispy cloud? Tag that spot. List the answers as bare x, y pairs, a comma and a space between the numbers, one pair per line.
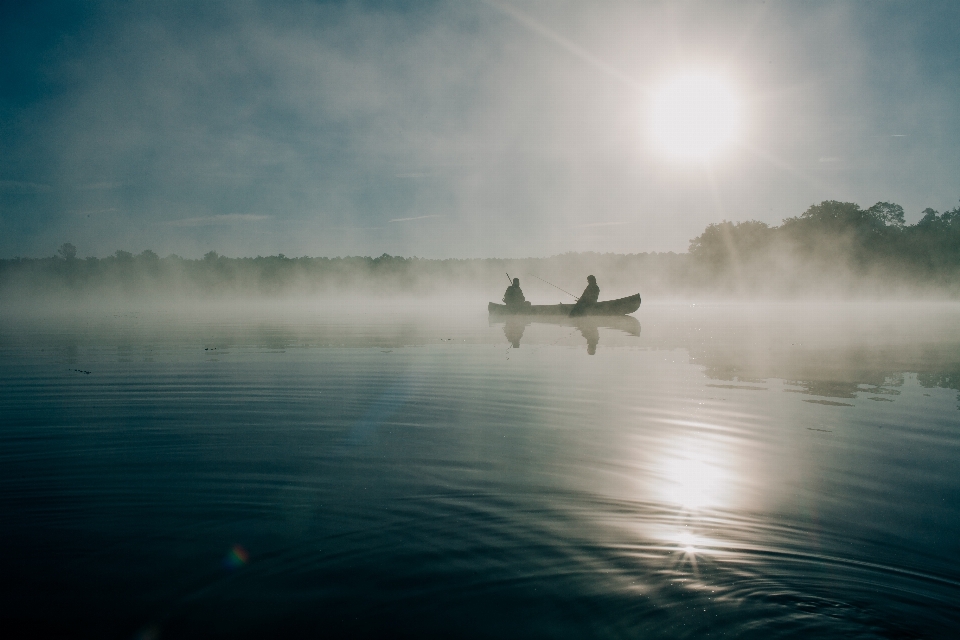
16, 186
605, 224
88, 212
100, 186
226, 218
414, 218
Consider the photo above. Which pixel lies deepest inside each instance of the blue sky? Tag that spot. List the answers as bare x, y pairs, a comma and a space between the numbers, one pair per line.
455, 129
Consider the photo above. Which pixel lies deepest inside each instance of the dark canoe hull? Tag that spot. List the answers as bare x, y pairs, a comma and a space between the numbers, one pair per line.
619, 307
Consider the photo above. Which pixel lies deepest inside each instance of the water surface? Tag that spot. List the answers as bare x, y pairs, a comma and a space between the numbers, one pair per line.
774, 470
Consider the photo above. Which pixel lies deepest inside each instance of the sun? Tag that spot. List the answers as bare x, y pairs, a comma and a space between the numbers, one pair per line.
694, 116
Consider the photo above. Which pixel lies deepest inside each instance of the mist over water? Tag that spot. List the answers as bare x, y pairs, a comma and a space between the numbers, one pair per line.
419, 469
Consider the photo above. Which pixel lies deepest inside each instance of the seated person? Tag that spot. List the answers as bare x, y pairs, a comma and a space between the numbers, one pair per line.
513, 296
587, 299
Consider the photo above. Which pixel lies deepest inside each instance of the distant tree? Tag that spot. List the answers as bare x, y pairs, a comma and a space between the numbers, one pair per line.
831, 216
934, 242
952, 217
210, 256
725, 242
890, 214
930, 218
123, 256
67, 251
148, 256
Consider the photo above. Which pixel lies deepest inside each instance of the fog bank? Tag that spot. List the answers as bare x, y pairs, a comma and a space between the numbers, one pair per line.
834, 250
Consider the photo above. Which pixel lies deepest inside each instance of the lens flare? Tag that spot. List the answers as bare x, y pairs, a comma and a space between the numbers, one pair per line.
236, 558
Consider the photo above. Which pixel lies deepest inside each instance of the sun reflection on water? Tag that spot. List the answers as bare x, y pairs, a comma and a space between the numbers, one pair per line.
698, 479
687, 543
695, 475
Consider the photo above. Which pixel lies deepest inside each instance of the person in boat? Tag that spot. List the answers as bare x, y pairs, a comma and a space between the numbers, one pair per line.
587, 299
513, 296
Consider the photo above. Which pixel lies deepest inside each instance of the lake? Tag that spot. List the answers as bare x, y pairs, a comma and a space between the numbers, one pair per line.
755, 470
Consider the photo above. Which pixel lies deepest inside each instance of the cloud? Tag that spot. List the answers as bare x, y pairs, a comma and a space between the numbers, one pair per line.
606, 224
91, 211
17, 186
436, 215
226, 218
100, 186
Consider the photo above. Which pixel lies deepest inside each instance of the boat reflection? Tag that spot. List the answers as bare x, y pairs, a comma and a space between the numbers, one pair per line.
513, 330
589, 327
591, 334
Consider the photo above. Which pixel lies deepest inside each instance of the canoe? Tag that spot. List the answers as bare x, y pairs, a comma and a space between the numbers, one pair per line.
618, 307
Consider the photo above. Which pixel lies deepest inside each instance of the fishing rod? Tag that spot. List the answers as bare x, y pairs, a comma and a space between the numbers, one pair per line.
556, 287
509, 278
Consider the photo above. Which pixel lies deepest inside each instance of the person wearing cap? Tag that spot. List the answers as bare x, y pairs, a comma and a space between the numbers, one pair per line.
588, 298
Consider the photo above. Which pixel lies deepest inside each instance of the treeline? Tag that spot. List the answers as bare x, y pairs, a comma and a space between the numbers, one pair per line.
215, 275
832, 248
833, 245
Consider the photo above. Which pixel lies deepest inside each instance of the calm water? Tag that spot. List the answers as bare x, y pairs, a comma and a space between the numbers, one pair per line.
725, 471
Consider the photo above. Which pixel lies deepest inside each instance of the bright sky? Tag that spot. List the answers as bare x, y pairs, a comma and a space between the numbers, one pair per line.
456, 129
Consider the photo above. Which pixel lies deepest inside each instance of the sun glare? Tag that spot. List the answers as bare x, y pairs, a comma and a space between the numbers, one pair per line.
696, 476
694, 116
